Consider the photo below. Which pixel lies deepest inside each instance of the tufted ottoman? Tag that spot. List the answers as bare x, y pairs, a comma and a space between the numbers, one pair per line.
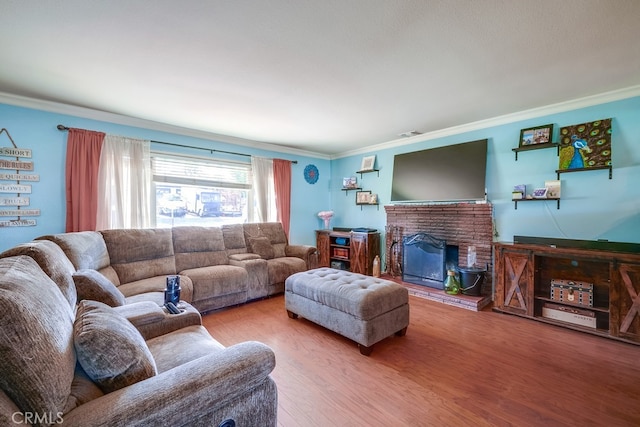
362, 308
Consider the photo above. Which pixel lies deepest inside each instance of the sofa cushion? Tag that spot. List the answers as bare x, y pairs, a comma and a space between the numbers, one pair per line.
85, 249
233, 235
272, 231
198, 247
261, 246
53, 261
37, 326
138, 254
92, 285
109, 348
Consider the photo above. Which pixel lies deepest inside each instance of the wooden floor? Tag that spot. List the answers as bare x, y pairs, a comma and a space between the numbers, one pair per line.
454, 367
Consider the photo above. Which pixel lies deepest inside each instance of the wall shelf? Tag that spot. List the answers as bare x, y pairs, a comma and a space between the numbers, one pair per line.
536, 200
536, 147
559, 171
369, 171
346, 190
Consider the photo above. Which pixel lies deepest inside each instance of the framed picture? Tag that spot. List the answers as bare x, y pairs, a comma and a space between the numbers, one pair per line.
363, 197
536, 135
584, 146
368, 163
349, 182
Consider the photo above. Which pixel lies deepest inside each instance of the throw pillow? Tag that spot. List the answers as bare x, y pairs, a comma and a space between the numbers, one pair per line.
109, 348
92, 285
261, 246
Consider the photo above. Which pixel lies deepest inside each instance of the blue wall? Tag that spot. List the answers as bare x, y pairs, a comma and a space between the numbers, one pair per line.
592, 205
36, 130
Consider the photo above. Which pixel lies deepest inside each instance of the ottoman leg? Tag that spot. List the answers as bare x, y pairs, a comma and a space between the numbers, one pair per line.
292, 315
365, 351
402, 332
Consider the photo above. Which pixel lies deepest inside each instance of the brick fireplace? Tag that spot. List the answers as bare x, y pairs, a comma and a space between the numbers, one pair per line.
460, 224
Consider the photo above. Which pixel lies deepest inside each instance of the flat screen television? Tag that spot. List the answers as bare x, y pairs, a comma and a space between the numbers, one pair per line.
444, 174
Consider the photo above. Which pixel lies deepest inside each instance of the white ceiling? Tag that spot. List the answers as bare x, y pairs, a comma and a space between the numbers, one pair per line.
325, 76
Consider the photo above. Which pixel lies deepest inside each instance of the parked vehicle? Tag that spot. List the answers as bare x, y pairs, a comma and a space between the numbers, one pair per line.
208, 203
172, 205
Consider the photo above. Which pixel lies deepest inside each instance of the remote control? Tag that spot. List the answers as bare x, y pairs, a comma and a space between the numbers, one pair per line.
172, 308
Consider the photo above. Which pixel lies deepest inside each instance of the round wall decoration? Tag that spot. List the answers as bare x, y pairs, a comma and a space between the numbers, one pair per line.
311, 174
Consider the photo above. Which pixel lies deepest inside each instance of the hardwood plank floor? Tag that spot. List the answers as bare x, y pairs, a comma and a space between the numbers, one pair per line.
454, 367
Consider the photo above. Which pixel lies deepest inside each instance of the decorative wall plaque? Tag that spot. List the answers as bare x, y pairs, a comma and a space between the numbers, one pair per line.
13, 187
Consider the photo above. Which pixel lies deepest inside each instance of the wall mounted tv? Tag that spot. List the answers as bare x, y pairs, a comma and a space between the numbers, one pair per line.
443, 174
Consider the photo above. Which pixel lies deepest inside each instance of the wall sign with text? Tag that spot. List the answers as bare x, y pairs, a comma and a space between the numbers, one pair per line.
15, 186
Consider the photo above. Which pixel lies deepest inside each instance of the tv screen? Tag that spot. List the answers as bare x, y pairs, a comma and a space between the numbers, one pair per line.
451, 173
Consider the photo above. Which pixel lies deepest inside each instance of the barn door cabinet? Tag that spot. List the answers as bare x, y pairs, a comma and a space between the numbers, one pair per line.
527, 272
347, 250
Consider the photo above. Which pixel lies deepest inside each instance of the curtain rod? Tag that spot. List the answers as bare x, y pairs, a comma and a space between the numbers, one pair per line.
63, 128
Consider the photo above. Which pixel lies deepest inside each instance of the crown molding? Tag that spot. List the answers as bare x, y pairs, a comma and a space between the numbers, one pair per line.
561, 107
88, 113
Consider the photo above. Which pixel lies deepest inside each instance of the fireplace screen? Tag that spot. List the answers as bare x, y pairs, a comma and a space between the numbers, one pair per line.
423, 260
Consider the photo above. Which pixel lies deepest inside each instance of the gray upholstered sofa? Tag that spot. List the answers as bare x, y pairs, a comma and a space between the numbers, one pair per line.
218, 266
85, 364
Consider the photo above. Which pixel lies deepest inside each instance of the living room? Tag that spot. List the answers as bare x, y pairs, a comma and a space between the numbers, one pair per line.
597, 205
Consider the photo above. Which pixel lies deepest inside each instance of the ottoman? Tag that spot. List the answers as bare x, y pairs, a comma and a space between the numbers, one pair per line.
362, 308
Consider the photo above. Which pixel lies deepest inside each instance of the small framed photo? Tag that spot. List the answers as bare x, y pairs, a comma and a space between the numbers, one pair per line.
349, 182
536, 135
363, 197
368, 163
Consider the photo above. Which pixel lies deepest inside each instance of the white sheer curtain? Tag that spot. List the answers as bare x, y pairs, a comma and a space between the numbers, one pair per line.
124, 184
263, 189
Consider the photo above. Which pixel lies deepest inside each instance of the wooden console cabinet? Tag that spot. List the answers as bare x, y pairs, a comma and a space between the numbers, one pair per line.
347, 250
524, 273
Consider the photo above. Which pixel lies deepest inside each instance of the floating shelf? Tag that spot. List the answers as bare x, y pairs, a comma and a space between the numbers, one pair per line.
537, 200
536, 147
559, 171
346, 190
369, 171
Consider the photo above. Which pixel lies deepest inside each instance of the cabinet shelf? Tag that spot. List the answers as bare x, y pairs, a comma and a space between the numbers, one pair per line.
582, 307
536, 147
557, 199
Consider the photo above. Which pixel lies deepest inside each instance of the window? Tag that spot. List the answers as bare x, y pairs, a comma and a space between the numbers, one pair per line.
200, 191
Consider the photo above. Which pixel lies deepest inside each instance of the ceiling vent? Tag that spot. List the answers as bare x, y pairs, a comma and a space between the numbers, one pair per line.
409, 133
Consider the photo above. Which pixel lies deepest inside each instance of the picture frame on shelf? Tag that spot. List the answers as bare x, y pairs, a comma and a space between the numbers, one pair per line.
553, 188
536, 135
373, 199
368, 163
349, 182
363, 197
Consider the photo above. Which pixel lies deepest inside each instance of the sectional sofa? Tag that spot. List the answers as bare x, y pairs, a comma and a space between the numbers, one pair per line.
86, 342
218, 266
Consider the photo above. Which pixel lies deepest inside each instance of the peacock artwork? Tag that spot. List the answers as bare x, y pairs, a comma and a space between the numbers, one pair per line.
587, 145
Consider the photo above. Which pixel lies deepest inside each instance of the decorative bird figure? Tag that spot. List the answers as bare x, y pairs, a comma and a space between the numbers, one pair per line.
572, 156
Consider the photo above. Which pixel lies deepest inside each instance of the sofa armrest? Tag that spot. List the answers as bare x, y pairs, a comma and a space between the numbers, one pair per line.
243, 257
152, 320
141, 313
189, 394
306, 252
